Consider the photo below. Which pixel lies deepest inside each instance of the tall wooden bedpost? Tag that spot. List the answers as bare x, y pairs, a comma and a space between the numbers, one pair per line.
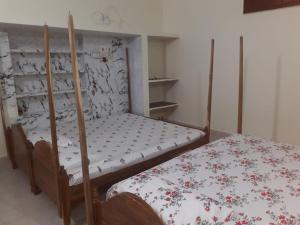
128, 81
81, 125
52, 110
210, 87
241, 87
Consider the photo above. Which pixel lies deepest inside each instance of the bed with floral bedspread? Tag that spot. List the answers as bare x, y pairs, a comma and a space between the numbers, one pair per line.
237, 180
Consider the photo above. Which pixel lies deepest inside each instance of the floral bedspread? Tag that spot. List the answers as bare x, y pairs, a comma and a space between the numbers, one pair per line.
237, 180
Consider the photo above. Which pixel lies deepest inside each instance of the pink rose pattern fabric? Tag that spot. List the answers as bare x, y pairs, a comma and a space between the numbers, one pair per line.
238, 180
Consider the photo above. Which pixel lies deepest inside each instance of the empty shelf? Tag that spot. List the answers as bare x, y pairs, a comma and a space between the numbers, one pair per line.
163, 37
162, 105
162, 80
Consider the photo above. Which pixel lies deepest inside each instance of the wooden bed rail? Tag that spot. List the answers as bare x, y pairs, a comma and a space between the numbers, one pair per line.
52, 111
81, 125
241, 87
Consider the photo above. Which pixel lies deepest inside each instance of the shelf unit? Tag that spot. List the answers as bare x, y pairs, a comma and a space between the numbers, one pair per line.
24, 47
161, 104
29, 73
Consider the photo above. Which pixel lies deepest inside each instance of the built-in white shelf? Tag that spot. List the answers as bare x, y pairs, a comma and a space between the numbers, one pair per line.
43, 73
28, 95
158, 106
159, 83
163, 37
162, 80
40, 51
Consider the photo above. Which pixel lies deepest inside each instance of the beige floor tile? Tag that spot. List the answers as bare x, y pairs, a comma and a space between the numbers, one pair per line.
18, 206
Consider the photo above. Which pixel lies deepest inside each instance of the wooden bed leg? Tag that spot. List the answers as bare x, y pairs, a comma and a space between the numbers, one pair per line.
35, 189
9, 146
63, 182
64, 204
97, 207
66, 209
207, 134
67, 214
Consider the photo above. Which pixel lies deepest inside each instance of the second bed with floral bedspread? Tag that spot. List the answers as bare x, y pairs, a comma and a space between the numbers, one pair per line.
237, 180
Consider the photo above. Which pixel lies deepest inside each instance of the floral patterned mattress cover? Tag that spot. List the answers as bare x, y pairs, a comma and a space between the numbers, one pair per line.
237, 180
115, 142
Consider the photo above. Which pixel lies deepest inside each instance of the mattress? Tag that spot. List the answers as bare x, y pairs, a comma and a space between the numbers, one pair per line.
237, 180
115, 142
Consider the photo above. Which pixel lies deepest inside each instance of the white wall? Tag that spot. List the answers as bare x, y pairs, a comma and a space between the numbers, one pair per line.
132, 16
272, 66
119, 15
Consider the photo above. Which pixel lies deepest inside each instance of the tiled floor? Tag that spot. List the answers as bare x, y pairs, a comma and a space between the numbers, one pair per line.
18, 206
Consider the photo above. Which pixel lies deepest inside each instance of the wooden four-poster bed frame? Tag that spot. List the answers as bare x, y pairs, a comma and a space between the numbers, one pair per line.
125, 208
137, 211
41, 162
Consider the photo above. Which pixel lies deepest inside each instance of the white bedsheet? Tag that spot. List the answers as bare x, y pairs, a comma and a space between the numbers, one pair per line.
235, 181
116, 142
